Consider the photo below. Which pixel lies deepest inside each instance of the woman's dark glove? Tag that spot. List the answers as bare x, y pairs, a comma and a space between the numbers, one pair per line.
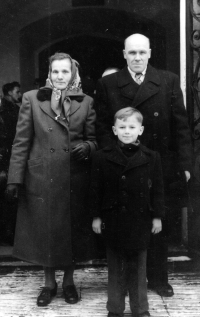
11, 192
81, 151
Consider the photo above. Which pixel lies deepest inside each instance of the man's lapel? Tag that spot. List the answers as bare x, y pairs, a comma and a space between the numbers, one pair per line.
126, 84
148, 88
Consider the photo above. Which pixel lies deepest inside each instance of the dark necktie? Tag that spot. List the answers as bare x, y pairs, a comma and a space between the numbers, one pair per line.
138, 78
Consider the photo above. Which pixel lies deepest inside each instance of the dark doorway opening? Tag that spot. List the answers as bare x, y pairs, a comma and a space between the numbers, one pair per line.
95, 54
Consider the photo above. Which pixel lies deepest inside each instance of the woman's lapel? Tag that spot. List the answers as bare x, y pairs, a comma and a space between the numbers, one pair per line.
46, 107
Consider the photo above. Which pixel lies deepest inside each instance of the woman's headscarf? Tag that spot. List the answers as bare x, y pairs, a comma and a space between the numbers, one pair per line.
62, 97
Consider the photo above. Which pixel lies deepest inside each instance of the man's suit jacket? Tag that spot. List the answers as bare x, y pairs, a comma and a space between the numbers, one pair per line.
160, 100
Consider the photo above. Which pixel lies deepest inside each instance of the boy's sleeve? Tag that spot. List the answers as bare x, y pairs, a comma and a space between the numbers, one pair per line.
158, 189
96, 186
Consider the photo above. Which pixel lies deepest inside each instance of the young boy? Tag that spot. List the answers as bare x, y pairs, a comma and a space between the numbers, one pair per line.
127, 204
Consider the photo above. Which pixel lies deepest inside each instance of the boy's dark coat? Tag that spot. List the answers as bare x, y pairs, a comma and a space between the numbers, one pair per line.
127, 194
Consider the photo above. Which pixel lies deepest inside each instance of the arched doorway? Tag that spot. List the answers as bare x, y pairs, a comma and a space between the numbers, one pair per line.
93, 36
94, 54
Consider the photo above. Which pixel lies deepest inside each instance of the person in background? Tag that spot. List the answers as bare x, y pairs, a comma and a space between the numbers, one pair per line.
18, 92
127, 204
49, 172
8, 120
110, 70
158, 96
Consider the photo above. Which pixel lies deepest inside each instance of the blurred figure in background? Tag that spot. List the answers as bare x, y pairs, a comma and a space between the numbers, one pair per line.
110, 70
9, 110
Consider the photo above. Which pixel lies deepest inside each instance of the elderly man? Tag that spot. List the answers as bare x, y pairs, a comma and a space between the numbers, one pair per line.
158, 96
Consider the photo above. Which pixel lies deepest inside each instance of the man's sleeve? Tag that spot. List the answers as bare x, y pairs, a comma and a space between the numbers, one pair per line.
182, 130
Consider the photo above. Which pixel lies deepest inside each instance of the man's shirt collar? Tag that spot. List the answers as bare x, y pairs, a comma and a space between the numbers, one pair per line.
133, 74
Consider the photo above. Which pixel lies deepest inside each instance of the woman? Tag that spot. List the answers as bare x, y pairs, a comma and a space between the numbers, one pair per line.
50, 168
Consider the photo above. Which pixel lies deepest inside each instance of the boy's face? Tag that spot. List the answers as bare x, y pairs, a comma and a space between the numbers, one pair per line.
128, 131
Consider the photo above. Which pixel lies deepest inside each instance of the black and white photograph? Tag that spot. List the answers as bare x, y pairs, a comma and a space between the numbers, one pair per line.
100, 158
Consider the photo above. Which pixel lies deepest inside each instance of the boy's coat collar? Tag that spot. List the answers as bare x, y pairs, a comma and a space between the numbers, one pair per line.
115, 155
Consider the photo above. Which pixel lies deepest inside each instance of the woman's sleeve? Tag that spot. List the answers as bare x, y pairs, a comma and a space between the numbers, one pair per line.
90, 133
22, 142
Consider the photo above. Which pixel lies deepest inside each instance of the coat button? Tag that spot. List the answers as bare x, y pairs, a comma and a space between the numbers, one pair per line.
52, 150
66, 150
123, 177
50, 129
156, 114
141, 194
141, 209
155, 136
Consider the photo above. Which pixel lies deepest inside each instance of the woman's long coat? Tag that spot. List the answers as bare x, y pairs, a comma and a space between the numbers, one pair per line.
52, 220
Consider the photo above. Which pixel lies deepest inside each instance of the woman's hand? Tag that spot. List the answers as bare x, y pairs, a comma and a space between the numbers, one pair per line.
96, 225
157, 225
81, 151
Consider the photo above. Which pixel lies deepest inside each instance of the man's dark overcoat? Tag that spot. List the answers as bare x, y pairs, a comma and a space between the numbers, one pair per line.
126, 193
50, 229
160, 100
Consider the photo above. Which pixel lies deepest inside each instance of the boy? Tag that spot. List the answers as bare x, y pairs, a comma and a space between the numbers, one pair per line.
127, 203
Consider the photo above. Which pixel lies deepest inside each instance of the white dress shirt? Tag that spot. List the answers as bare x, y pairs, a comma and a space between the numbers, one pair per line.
133, 74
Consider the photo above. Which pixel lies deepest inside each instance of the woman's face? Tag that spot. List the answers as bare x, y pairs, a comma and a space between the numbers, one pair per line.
61, 73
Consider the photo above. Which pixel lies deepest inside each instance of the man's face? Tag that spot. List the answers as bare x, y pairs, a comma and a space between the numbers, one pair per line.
128, 131
137, 53
15, 94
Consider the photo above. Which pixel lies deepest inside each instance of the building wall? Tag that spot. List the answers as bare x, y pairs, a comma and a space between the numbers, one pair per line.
16, 15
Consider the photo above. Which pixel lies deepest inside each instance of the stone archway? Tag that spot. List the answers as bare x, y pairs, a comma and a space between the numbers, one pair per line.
94, 54
94, 36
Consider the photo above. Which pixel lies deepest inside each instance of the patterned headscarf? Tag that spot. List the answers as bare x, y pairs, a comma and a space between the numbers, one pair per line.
62, 97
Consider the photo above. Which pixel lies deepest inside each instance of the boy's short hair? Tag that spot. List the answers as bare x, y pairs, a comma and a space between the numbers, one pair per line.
127, 112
